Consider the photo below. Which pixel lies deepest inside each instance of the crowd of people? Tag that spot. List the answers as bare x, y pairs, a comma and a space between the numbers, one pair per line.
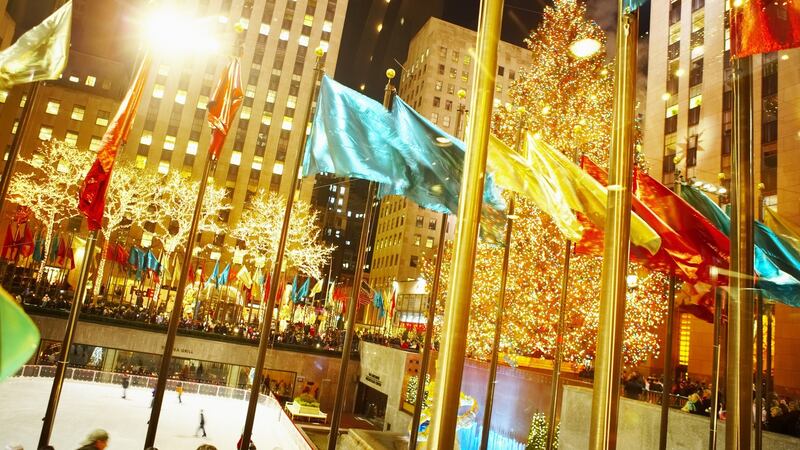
99, 439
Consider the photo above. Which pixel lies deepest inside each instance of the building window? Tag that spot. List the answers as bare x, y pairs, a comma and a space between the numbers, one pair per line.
417, 239
685, 336
77, 112
71, 138
671, 124
420, 221
146, 139
169, 142
413, 261
769, 119
443, 52
691, 151
453, 73
446, 121
90, 80
769, 171
429, 242
94, 144
464, 76
696, 72
163, 167
437, 101
102, 118
3, 96
432, 224
438, 85
158, 91
501, 71
52, 106
675, 12
448, 105
180, 97
435, 117
277, 169
45, 133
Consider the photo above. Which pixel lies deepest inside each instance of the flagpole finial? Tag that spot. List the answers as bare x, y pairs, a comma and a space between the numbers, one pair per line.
319, 51
462, 94
390, 73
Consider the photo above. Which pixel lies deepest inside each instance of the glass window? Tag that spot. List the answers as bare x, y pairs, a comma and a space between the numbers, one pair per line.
102, 118
180, 97
417, 239
202, 102
443, 52
147, 138
245, 114
94, 144
438, 86
420, 221
158, 91
327, 26
446, 121
77, 112
266, 118
191, 148
53, 106
287, 123
90, 80
436, 101
3, 96
435, 117
45, 133
236, 158
264, 29
163, 167
284, 36
71, 138
432, 224
141, 161
429, 242
414, 261
453, 73
169, 142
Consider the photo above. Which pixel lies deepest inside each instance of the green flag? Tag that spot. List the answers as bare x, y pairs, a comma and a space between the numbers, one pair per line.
19, 337
39, 54
633, 5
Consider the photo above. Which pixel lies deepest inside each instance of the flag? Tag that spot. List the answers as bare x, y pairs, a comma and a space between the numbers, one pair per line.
190, 275
152, 263
69, 256
331, 291
776, 284
633, 5
9, 250
353, 135
316, 289
222, 280
19, 337
302, 292
26, 243
38, 253
54, 247
222, 106
676, 255
557, 185
788, 232
244, 277
92, 197
294, 289
377, 301
364, 296
214, 274
61, 253
763, 26
39, 54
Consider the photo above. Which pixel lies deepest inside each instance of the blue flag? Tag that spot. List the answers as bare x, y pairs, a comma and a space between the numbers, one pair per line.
633, 5
775, 282
294, 289
377, 301
214, 274
222, 280
152, 261
303, 291
353, 135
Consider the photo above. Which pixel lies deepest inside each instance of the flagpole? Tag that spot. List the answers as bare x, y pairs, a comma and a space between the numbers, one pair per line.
714, 414
66, 343
454, 336
605, 399
16, 142
759, 377
266, 325
739, 376
358, 277
425, 351
669, 369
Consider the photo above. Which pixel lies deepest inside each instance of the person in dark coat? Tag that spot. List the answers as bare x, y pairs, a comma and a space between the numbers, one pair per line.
202, 424
126, 381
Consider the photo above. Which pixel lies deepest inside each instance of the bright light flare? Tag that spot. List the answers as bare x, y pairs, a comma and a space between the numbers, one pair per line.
169, 31
584, 48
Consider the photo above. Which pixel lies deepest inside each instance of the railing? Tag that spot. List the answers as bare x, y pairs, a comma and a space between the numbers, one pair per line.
284, 424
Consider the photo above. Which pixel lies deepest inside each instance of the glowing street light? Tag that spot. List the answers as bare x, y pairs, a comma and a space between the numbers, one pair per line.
584, 48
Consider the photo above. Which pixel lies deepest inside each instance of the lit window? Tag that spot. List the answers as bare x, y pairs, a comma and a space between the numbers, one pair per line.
94, 144
271, 96
23, 100
284, 36
277, 169
169, 142
163, 70
695, 101
14, 127
303, 41
671, 111
417, 239
3, 96
71, 138
245, 114
308, 20
191, 148
287, 123
266, 118
245, 23
141, 161
429, 242
435, 117
52, 107
446, 121
264, 29
158, 91
180, 97
202, 102
90, 80
163, 167
250, 91
291, 102
74, 79
327, 26
257, 163
236, 158
102, 118
45, 133
685, 338
324, 46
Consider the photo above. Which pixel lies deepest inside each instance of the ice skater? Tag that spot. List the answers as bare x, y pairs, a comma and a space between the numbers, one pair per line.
125, 383
202, 424
179, 390
96, 440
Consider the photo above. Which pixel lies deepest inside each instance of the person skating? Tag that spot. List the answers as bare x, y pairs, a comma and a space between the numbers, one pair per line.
179, 390
96, 440
202, 424
125, 383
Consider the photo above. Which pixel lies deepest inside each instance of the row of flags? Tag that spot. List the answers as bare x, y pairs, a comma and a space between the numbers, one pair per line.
21, 243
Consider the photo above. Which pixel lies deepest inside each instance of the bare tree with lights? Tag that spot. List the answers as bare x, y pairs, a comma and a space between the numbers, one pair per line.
260, 225
568, 103
49, 186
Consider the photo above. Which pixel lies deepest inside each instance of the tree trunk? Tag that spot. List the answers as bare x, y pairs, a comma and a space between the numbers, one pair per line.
49, 225
98, 280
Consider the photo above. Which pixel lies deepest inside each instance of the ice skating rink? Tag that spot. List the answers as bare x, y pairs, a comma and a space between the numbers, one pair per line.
85, 406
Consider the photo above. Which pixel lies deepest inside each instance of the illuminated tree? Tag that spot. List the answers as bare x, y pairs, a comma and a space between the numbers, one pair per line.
128, 200
49, 185
260, 228
174, 203
567, 103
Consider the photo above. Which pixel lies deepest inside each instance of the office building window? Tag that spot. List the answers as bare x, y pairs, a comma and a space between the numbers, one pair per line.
417, 239
420, 221
158, 91
94, 144
90, 81
169, 142
413, 261
3, 96
53, 106
446, 121
45, 133
429, 242
163, 167
432, 224
436, 101
77, 112
102, 118
71, 138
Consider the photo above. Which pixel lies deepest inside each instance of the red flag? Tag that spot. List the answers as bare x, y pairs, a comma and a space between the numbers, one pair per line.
223, 105
61, 253
190, 275
69, 258
26, 243
9, 248
762, 26
394, 299
92, 197
675, 254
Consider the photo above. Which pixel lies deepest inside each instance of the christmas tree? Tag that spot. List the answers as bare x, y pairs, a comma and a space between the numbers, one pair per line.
567, 102
537, 438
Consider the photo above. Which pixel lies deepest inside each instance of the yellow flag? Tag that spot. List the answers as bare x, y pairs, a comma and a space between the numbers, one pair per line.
782, 227
316, 289
558, 187
39, 54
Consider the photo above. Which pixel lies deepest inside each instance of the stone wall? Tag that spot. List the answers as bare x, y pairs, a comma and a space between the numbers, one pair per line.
382, 369
639, 426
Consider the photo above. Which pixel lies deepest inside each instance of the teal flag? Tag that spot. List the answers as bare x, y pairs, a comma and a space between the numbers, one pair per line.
294, 289
377, 301
222, 280
633, 5
302, 292
214, 275
38, 254
355, 136
776, 283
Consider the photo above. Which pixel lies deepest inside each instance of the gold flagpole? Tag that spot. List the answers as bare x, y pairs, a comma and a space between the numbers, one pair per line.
266, 325
16, 141
338, 402
605, 400
669, 368
759, 379
456, 320
434, 295
739, 372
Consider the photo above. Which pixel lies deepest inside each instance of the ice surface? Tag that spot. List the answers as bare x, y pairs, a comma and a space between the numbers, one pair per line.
85, 406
